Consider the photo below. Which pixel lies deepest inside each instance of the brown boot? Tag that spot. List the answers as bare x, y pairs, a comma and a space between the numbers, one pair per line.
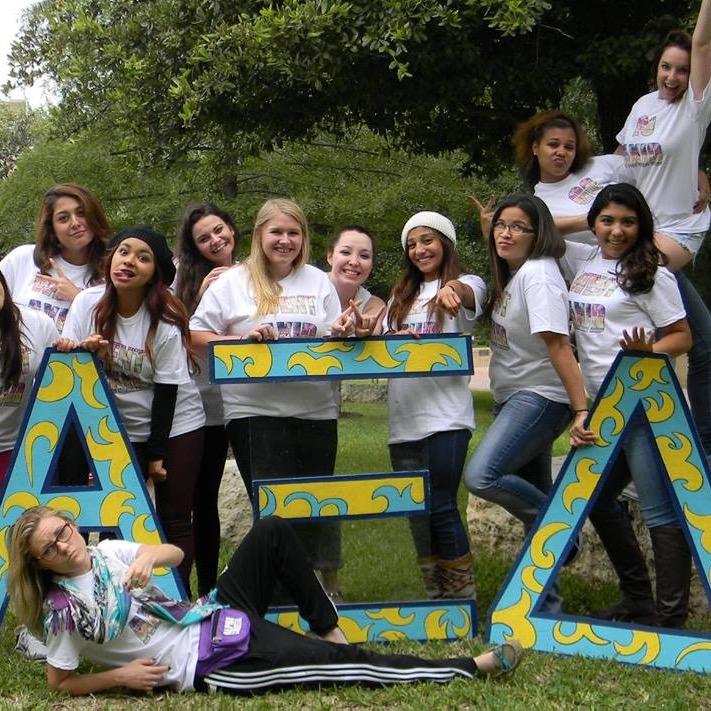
456, 577
430, 576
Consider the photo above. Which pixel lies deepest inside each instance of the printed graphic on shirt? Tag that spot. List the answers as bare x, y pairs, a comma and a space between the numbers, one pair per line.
298, 305
12, 397
643, 154
502, 304
588, 317
585, 191
58, 314
498, 337
126, 367
144, 625
296, 329
591, 284
645, 126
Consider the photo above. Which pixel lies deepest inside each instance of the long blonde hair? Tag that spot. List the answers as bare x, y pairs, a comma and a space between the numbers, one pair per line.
27, 582
266, 289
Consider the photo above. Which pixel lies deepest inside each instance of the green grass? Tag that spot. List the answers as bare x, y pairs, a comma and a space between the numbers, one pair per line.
380, 565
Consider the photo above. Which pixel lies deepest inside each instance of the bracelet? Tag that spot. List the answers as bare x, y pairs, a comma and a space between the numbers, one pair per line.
585, 409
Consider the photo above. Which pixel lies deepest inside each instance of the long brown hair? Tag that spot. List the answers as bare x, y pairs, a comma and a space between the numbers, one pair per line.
46, 243
192, 266
161, 304
408, 285
27, 582
532, 131
10, 332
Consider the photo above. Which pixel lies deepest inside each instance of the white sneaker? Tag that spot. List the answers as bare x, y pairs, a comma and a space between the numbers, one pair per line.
28, 645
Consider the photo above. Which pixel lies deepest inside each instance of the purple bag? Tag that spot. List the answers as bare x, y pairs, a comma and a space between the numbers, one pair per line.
224, 637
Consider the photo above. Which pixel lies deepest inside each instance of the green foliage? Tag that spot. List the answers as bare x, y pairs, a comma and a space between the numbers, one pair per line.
18, 124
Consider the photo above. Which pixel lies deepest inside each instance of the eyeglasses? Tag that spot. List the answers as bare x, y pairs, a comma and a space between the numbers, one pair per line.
63, 535
515, 228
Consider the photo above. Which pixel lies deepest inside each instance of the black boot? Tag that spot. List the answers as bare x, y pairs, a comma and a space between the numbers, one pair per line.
618, 537
672, 560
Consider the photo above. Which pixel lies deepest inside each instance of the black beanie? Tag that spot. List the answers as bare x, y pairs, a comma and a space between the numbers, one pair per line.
158, 244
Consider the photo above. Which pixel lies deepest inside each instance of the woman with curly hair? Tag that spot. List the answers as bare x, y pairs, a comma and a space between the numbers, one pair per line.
620, 297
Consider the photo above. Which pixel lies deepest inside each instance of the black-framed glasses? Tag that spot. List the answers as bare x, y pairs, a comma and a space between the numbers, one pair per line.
515, 228
63, 535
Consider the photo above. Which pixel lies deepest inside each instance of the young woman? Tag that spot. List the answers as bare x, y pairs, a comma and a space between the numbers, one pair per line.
285, 429
67, 256
619, 296
24, 335
98, 604
141, 331
431, 419
206, 249
535, 379
351, 255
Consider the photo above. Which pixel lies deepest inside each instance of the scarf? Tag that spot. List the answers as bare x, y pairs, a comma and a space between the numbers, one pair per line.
101, 619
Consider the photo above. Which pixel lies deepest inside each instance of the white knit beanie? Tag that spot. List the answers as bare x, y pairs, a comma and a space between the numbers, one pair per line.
430, 219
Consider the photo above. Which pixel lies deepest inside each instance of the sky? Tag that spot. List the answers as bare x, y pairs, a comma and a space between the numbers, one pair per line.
37, 95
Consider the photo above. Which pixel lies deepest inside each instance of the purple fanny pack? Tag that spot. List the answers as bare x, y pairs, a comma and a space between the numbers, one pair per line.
224, 637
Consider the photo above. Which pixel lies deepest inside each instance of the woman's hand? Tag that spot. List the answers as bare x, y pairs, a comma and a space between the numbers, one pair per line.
141, 674
407, 332
211, 276
64, 345
448, 299
157, 471
580, 436
638, 340
486, 212
95, 344
344, 325
263, 332
64, 289
365, 324
704, 190
139, 573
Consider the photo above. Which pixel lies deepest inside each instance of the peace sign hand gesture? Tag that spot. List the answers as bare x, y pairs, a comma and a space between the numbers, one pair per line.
64, 289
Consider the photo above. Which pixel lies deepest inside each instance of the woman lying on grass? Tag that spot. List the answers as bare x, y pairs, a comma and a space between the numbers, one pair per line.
98, 603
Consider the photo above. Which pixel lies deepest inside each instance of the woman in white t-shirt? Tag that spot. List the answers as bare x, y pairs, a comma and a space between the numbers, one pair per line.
431, 419
619, 296
535, 379
206, 248
98, 603
24, 336
140, 330
351, 255
285, 429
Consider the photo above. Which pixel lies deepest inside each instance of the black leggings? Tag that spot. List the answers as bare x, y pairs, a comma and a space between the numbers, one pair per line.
277, 657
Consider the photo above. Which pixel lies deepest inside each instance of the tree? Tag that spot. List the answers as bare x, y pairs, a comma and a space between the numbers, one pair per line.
234, 77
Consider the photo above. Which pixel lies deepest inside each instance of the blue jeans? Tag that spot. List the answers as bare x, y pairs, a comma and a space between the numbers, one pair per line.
512, 464
699, 376
640, 463
442, 532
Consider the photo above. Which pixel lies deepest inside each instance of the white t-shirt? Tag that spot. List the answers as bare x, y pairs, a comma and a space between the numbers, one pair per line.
662, 141
37, 332
145, 636
535, 300
573, 195
308, 305
419, 407
31, 288
133, 374
600, 310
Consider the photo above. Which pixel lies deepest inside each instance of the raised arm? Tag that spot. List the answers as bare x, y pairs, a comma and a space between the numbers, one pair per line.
149, 557
701, 51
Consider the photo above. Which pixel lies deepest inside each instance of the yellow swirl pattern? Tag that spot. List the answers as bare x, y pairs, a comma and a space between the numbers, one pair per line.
22, 499
379, 353
516, 618
422, 357
675, 458
88, 377
60, 386
539, 555
696, 647
581, 631
49, 431
701, 523
641, 640
333, 347
313, 366
65, 503
4, 553
355, 634
607, 409
392, 635
647, 371
583, 487
434, 626
113, 450
114, 506
391, 615
257, 356
660, 413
